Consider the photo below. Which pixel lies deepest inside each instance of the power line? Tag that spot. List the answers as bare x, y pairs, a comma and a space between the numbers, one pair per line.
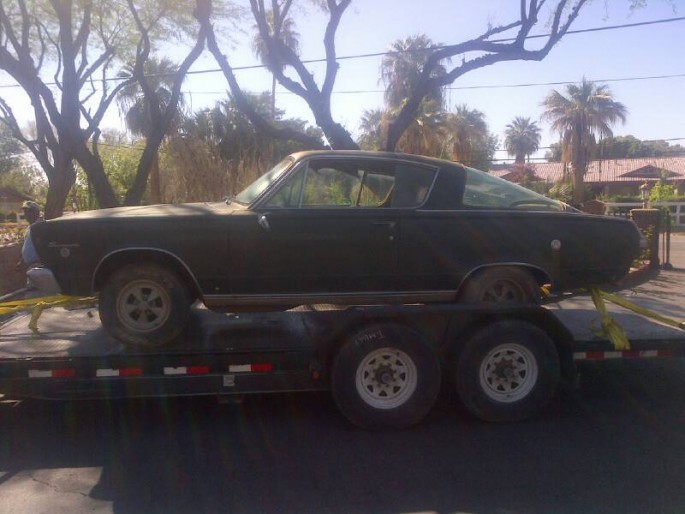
433, 48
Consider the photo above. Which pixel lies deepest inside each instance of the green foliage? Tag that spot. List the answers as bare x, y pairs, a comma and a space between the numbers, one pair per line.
10, 148
662, 193
629, 147
120, 160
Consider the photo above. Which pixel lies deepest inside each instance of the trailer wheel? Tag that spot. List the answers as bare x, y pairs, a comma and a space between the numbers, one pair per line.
144, 305
385, 376
507, 371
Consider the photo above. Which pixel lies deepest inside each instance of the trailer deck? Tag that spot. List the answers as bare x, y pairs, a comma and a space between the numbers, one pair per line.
223, 354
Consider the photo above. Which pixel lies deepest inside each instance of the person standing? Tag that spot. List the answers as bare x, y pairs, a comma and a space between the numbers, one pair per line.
29, 256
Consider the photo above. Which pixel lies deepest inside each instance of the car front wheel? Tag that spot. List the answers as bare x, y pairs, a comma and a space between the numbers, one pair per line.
144, 305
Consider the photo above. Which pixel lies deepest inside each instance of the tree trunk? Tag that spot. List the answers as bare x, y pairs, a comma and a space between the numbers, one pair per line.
578, 186
60, 183
155, 187
93, 167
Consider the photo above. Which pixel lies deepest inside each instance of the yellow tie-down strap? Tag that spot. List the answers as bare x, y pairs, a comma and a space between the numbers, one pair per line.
613, 330
36, 306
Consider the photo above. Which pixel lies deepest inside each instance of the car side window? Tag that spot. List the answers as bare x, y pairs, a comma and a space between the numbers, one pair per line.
354, 183
412, 184
488, 192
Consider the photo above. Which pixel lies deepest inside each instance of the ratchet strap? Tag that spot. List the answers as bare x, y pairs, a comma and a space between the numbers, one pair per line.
37, 305
613, 330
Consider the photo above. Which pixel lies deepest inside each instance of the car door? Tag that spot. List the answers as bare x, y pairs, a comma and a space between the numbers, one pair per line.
326, 231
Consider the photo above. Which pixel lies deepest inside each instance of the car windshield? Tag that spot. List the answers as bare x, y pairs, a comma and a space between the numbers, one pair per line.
485, 191
251, 192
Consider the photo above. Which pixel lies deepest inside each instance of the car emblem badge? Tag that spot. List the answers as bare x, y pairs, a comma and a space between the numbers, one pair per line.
556, 245
65, 252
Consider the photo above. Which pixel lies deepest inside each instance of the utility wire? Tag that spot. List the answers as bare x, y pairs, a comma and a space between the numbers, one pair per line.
380, 54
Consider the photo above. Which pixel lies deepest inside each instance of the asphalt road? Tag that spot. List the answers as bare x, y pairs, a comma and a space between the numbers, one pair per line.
615, 445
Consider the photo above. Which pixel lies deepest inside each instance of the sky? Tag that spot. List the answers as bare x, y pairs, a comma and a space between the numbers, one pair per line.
656, 107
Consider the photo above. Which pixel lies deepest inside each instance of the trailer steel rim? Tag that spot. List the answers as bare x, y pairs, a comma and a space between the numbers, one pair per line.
143, 305
508, 373
386, 378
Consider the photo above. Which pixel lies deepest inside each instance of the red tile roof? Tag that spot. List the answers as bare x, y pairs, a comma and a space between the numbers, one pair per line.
612, 170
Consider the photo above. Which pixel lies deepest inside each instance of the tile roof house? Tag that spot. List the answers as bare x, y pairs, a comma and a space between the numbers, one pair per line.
11, 200
609, 177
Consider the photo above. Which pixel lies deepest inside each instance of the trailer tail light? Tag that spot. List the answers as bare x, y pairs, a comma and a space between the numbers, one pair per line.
261, 367
123, 372
187, 370
52, 373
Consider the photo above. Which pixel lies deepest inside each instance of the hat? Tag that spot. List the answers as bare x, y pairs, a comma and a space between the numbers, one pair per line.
30, 206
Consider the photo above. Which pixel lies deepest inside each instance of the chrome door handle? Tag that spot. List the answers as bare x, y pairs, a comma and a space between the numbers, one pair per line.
264, 222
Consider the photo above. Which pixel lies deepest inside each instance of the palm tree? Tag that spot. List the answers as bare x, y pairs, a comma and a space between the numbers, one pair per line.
401, 69
587, 111
522, 138
370, 128
282, 30
426, 133
132, 100
468, 134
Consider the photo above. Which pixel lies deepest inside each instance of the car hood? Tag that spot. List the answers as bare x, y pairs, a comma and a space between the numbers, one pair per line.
158, 211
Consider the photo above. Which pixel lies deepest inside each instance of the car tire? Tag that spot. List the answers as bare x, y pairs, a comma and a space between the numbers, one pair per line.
385, 377
504, 284
507, 371
144, 305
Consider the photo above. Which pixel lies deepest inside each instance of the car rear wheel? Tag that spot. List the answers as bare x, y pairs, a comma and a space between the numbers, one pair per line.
144, 305
385, 376
506, 284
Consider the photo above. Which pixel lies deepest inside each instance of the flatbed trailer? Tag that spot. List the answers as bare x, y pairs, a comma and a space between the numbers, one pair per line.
383, 364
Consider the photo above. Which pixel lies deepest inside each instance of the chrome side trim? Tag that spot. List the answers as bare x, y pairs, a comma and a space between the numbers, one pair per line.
374, 297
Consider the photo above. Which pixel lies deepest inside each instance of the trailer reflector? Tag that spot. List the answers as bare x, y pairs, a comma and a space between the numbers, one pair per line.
52, 373
261, 367
123, 372
187, 370
627, 354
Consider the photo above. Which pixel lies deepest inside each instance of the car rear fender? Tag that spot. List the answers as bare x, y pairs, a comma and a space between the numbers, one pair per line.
120, 258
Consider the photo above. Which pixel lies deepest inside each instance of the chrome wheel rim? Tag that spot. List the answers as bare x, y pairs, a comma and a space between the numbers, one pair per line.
143, 305
386, 378
508, 373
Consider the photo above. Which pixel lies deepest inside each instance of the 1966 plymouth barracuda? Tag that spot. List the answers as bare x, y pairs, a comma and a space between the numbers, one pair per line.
340, 227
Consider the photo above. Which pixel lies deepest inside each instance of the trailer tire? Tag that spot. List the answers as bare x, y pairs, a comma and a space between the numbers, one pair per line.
507, 371
385, 377
165, 300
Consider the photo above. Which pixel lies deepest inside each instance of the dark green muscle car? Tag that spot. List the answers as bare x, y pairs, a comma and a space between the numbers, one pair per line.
340, 227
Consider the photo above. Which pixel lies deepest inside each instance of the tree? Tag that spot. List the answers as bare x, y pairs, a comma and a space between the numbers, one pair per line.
468, 138
586, 112
138, 111
282, 57
282, 29
9, 150
485, 50
629, 147
76, 44
522, 138
218, 151
370, 129
400, 70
